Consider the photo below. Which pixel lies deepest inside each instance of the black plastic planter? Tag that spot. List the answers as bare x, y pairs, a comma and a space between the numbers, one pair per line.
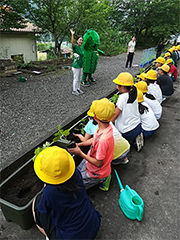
21, 215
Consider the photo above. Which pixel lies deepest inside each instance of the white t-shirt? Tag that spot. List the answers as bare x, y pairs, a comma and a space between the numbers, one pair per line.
148, 119
155, 90
129, 118
155, 106
131, 46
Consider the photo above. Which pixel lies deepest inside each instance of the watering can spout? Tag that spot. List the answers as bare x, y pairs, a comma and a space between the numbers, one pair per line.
119, 181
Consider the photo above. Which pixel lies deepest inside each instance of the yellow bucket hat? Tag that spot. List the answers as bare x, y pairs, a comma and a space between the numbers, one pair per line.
142, 76
169, 61
54, 165
151, 74
140, 96
142, 86
103, 109
124, 79
165, 68
160, 60
167, 54
170, 50
91, 110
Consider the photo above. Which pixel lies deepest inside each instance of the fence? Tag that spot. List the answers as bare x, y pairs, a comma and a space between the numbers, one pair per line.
147, 56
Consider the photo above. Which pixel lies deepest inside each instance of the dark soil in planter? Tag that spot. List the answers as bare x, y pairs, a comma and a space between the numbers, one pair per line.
24, 189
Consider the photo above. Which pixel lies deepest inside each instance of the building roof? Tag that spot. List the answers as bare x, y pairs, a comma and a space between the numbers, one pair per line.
30, 28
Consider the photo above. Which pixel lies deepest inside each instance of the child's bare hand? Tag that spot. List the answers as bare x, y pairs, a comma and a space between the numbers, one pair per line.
75, 150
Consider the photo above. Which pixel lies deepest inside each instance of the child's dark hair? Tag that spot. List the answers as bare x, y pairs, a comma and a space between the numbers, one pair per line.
78, 36
142, 108
150, 96
70, 186
132, 93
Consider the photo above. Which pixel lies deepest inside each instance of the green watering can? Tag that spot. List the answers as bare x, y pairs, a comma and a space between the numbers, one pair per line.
130, 202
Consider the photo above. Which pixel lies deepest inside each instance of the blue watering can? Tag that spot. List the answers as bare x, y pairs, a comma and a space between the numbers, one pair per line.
130, 202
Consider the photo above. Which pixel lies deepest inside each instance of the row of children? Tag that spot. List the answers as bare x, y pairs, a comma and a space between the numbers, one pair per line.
63, 210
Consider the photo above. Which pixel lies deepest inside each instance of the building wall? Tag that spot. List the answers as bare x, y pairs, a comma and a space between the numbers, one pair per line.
18, 44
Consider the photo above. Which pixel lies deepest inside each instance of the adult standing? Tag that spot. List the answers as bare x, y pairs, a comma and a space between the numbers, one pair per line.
160, 47
130, 52
77, 65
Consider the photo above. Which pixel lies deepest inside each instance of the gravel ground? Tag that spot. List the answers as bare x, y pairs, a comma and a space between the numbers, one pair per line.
32, 110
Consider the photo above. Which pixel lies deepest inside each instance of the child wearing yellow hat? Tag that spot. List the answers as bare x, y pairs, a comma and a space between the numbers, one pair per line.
121, 145
153, 87
127, 118
150, 99
149, 123
173, 72
63, 205
96, 165
165, 82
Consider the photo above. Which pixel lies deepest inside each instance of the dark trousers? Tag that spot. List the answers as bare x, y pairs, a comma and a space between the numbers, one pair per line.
129, 59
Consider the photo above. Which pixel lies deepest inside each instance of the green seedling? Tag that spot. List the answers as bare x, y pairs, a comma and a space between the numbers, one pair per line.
114, 98
141, 70
39, 149
82, 125
61, 134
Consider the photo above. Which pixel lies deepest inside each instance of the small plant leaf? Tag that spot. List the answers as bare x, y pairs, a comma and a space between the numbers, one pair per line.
56, 139
66, 132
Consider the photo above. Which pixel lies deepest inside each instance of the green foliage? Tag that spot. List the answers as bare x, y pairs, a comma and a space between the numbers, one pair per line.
141, 70
39, 149
61, 134
25, 65
82, 125
11, 14
113, 42
114, 98
144, 19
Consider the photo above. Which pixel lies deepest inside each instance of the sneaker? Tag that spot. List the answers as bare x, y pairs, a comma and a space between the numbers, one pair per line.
125, 161
104, 186
138, 143
80, 91
75, 93
141, 139
85, 84
93, 81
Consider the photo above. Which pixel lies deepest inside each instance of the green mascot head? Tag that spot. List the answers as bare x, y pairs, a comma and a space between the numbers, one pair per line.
91, 39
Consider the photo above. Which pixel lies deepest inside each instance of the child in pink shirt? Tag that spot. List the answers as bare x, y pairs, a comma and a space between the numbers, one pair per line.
96, 165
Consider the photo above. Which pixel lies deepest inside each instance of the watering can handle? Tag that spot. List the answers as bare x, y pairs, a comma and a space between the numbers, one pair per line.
119, 181
140, 216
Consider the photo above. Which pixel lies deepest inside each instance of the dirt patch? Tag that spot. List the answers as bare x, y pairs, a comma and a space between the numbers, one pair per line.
23, 189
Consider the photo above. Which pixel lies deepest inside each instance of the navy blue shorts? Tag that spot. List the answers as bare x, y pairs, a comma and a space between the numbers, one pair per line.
44, 220
131, 135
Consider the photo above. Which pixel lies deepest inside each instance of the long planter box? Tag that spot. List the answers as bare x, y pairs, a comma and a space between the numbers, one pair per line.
20, 215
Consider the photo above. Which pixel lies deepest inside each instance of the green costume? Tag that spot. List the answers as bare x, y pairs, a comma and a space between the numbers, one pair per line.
91, 42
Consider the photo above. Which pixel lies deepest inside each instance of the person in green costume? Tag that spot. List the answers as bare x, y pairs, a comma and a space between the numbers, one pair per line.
91, 42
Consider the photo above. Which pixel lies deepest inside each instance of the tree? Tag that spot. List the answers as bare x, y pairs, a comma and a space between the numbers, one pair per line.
158, 18
11, 14
58, 16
